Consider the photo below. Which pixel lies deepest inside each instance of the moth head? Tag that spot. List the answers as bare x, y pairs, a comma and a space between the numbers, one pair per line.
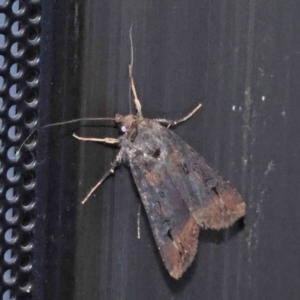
127, 123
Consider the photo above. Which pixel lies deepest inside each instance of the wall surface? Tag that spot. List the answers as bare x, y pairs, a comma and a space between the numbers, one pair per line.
241, 60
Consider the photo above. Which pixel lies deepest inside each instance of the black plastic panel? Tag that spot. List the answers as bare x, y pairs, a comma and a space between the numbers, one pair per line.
240, 59
19, 95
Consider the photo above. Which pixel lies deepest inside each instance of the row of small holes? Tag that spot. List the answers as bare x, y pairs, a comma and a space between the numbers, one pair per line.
18, 10
12, 216
31, 78
17, 51
13, 197
31, 98
18, 30
21, 216
15, 114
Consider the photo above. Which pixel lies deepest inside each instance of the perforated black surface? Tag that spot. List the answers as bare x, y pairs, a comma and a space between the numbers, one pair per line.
20, 26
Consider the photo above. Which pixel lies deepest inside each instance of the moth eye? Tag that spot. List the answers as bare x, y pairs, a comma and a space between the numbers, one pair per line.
123, 128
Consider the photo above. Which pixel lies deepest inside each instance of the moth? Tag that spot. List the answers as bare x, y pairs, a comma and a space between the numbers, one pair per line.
179, 191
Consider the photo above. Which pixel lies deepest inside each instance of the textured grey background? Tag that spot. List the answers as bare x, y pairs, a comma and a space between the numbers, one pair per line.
241, 60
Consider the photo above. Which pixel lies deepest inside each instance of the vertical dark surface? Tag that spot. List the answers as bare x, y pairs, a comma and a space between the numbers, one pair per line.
241, 60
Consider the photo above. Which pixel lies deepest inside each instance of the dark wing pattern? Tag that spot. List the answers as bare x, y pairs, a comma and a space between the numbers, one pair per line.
211, 199
180, 192
175, 230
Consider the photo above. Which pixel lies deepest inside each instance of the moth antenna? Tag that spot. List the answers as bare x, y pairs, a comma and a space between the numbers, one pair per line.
59, 124
131, 63
131, 47
20, 148
132, 85
129, 98
77, 120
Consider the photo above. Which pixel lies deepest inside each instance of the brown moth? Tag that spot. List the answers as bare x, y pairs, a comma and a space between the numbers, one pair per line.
179, 191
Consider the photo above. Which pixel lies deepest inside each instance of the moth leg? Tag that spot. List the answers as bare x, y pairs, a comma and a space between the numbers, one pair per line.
175, 122
138, 222
111, 141
114, 164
